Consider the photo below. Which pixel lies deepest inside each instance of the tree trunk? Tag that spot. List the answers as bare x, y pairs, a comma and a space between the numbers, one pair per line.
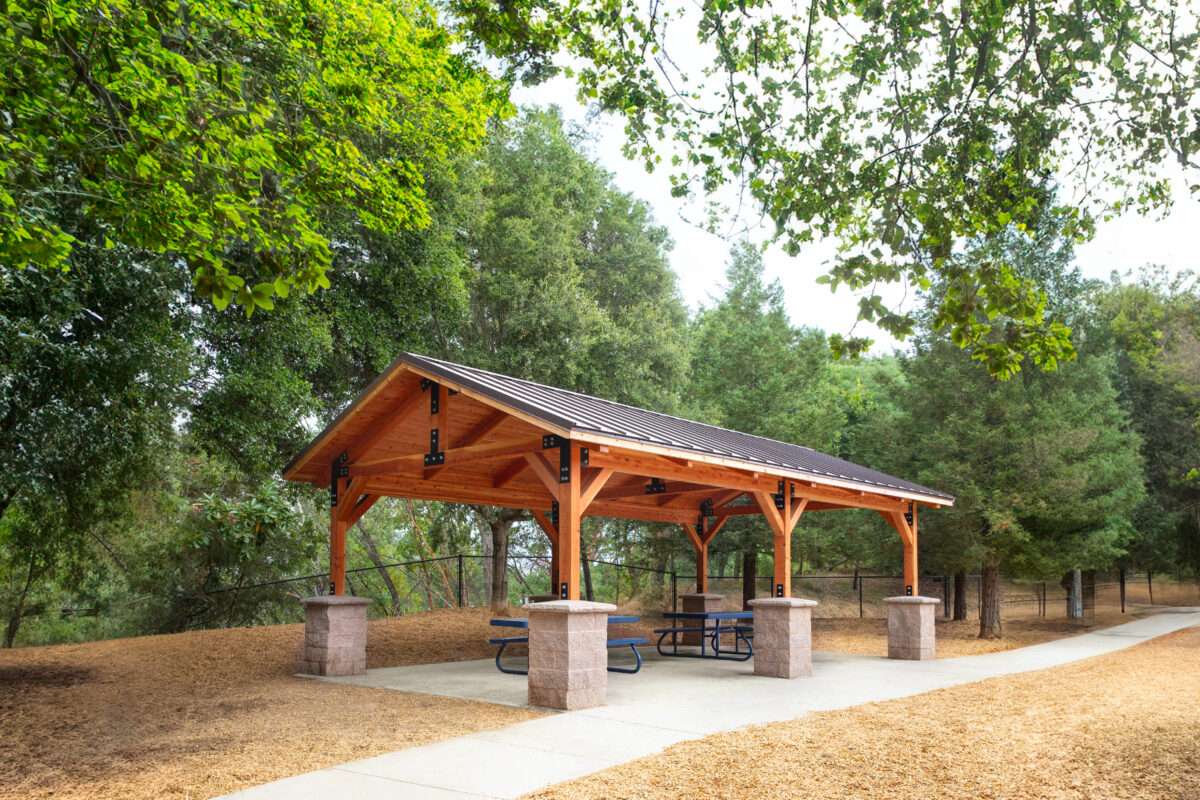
960, 595
749, 568
373, 554
485, 548
587, 580
14, 620
989, 607
500, 527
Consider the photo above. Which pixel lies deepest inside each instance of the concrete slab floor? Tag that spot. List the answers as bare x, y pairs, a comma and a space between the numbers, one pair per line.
669, 701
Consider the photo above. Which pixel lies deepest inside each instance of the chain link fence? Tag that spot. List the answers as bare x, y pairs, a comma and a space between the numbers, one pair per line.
459, 581
852, 595
464, 581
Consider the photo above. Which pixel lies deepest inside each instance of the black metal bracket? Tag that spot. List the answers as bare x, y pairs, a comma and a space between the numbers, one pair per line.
554, 513
656, 486
779, 589
434, 400
434, 457
564, 461
699, 526
778, 497
908, 517
338, 469
584, 455
706, 508
550, 441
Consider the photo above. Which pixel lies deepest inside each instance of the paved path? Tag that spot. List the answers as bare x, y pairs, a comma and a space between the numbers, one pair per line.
670, 701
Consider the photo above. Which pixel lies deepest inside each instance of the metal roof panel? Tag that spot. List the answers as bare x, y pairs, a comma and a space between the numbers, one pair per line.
579, 412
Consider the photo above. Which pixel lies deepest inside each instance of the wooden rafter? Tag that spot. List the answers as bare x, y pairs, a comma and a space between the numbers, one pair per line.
619, 510
475, 436
460, 455
656, 466
638, 489
509, 472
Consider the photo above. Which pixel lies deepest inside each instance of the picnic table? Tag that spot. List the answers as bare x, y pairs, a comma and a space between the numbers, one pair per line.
710, 633
523, 622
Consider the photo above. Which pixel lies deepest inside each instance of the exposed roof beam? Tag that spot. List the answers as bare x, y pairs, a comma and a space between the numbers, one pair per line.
475, 436
454, 457
509, 472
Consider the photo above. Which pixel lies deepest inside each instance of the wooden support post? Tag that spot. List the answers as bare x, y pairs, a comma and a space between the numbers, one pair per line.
337, 553
782, 522
910, 568
570, 514
351, 505
908, 536
551, 531
701, 547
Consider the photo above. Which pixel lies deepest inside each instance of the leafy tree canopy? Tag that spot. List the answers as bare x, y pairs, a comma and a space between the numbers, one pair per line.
899, 129
192, 128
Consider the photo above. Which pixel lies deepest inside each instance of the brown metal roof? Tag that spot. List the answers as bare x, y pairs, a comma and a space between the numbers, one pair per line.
574, 412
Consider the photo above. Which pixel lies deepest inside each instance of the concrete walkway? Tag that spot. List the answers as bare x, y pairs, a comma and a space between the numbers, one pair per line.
669, 701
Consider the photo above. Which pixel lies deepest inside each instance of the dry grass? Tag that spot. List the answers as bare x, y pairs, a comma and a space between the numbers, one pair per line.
1122, 726
204, 713
955, 639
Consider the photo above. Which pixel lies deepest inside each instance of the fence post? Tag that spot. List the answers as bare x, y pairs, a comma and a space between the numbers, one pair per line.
1122, 580
674, 591
860, 583
460, 580
1150, 585
946, 596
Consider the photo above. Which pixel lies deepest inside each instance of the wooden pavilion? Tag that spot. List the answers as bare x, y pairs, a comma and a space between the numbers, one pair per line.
433, 430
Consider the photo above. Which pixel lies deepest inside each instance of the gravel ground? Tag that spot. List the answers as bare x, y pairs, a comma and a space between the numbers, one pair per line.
200, 714
1123, 725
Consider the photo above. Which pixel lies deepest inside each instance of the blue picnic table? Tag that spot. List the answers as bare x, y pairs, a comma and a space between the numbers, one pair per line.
710, 634
523, 622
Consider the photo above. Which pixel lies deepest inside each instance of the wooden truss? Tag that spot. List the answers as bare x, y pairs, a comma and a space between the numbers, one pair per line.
416, 435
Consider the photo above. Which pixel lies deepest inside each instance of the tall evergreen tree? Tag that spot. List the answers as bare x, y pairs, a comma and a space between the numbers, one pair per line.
569, 286
756, 373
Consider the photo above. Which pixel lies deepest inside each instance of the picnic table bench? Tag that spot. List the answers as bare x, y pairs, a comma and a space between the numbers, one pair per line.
520, 622
742, 634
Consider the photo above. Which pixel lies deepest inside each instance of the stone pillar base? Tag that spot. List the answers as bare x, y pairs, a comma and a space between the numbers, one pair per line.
568, 653
910, 627
335, 635
700, 602
783, 637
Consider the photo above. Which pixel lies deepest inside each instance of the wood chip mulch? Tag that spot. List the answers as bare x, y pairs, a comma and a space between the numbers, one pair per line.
1124, 725
200, 714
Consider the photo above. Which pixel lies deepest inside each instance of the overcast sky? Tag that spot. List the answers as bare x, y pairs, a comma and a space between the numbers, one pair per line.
699, 257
